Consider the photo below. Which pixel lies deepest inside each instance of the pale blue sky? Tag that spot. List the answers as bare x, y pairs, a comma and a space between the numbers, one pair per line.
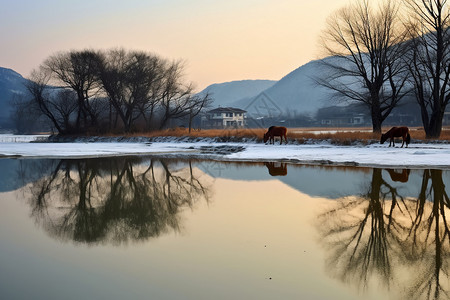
219, 40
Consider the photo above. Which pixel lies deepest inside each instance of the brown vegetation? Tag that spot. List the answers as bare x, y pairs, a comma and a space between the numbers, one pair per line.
342, 136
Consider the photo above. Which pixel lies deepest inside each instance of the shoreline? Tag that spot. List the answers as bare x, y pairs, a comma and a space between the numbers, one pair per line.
418, 156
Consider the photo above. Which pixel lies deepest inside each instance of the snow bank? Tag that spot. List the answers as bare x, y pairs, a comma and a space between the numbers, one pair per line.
11, 138
415, 156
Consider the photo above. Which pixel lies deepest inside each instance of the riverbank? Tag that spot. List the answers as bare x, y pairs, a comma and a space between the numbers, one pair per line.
417, 155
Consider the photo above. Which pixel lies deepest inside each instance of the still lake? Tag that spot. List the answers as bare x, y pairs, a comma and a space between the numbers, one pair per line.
152, 228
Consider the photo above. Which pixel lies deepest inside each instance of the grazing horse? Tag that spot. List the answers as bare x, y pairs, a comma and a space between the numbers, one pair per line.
396, 132
397, 176
274, 131
276, 169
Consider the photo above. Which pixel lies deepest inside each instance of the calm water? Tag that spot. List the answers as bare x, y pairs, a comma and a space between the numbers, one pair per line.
143, 228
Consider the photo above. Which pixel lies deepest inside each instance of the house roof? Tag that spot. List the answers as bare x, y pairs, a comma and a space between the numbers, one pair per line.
227, 110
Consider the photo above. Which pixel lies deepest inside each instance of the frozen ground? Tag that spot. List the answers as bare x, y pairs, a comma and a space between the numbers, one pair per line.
415, 156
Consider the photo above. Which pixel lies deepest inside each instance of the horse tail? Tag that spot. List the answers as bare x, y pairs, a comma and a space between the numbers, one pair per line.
408, 138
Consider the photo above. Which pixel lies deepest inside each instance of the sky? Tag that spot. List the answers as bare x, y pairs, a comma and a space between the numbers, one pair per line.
219, 41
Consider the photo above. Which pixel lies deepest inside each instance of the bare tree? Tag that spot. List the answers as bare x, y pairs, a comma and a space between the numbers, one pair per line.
77, 70
65, 105
366, 45
429, 60
129, 80
37, 86
25, 114
199, 103
177, 99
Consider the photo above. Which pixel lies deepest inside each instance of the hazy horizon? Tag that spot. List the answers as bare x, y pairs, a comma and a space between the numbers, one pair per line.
219, 41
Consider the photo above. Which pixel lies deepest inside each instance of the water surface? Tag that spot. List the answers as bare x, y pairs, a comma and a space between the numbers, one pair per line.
146, 228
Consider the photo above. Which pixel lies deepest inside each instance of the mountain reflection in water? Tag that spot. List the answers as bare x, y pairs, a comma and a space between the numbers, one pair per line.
382, 233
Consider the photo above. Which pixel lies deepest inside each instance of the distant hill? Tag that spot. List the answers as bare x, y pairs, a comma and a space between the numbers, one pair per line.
11, 84
296, 93
223, 94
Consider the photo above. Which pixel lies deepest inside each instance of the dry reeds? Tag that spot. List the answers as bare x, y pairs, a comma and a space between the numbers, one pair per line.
343, 136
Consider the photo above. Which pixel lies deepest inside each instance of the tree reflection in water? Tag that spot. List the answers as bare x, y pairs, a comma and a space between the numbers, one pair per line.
114, 200
400, 241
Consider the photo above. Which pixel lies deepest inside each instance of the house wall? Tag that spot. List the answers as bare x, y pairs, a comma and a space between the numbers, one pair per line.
224, 120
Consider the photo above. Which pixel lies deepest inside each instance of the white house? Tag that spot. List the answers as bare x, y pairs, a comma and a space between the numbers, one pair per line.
225, 117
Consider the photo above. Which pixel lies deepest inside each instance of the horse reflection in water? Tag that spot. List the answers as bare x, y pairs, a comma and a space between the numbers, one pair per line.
276, 169
392, 235
402, 176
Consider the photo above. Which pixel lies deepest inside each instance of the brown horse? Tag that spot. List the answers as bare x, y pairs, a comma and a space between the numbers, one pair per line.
276, 169
396, 132
274, 131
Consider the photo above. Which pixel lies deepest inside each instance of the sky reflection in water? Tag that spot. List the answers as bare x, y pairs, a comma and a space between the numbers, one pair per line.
177, 229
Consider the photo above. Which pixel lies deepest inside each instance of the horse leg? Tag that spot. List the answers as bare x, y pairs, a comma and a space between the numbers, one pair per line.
403, 141
281, 139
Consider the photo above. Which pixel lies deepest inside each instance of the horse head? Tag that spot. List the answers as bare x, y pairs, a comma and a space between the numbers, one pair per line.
383, 138
266, 137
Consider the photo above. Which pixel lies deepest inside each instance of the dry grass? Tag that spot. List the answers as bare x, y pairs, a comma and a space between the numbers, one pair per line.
209, 133
344, 136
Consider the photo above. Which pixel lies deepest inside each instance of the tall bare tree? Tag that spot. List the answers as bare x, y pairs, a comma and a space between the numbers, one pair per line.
429, 60
365, 44
129, 79
77, 70
37, 86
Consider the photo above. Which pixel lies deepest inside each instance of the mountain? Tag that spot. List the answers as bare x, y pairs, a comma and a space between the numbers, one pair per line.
296, 93
11, 84
223, 94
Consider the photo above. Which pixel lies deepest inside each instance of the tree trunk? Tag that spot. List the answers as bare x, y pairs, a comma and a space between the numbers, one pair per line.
434, 128
190, 122
376, 118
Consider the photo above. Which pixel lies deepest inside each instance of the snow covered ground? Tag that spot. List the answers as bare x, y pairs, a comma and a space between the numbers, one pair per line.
11, 138
415, 156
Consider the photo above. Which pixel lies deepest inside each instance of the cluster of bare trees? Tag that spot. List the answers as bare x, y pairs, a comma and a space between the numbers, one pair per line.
381, 53
112, 91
